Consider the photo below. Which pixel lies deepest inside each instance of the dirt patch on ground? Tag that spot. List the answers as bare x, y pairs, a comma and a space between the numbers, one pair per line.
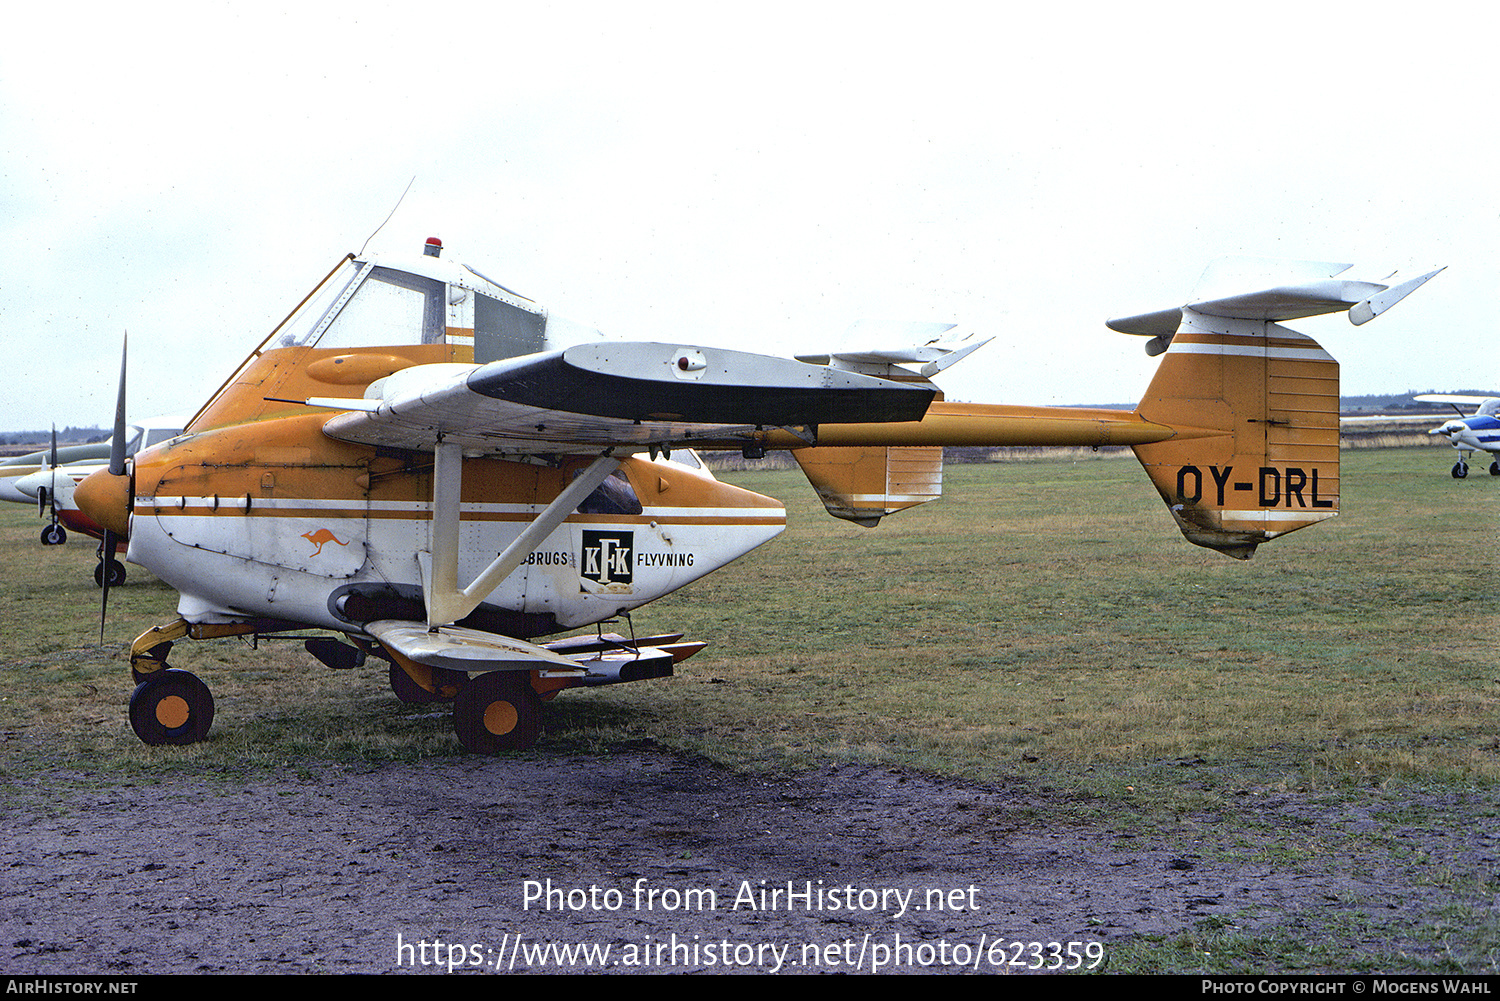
365, 871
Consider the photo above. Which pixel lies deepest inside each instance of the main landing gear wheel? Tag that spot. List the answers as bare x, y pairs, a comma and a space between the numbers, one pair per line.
498, 712
411, 693
1495, 468
1460, 470
54, 535
407, 690
116, 573
171, 707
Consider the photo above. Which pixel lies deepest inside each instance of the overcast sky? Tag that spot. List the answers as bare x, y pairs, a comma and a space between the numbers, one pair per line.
757, 176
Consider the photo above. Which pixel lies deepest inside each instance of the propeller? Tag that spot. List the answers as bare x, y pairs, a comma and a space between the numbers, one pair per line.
46, 500
51, 490
116, 468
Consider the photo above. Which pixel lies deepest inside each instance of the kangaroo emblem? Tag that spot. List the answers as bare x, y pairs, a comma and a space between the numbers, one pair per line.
320, 538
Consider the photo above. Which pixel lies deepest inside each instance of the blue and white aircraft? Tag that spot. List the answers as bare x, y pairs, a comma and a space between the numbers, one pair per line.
1477, 433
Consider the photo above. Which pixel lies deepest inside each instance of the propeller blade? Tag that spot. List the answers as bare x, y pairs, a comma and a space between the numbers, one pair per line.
43, 497
117, 443
116, 468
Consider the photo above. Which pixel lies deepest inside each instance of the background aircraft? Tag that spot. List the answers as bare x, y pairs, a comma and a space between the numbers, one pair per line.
17, 467
51, 487
80, 460
1477, 433
443, 473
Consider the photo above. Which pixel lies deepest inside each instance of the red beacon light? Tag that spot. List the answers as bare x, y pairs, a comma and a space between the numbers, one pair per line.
434, 247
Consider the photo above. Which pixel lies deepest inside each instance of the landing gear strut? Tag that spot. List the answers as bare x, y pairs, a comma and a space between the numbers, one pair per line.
171, 706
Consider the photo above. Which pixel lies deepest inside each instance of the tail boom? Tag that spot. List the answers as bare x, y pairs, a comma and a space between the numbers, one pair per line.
994, 425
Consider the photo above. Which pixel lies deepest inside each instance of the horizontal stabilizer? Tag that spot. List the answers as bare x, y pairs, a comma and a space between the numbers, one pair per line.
878, 347
1252, 289
1363, 312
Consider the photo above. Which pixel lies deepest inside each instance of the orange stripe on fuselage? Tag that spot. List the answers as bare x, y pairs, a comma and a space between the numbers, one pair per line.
515, 517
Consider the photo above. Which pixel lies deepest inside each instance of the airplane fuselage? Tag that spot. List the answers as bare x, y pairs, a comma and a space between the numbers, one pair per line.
1480, 433
276, 520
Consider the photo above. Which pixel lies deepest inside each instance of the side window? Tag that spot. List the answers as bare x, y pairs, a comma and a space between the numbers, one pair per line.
614, 496
391, 307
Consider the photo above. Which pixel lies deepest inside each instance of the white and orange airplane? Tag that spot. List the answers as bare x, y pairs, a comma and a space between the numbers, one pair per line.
443, 474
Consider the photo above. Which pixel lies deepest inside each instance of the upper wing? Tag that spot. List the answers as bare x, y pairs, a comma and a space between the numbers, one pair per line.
1487, 405
592, 397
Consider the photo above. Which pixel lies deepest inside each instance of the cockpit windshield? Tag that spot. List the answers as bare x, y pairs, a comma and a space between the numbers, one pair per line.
366, 305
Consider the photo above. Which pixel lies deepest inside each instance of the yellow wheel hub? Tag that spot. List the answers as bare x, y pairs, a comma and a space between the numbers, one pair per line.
500, 718
172, 711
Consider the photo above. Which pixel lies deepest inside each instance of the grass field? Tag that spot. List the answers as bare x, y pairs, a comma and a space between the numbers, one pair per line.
1043, 619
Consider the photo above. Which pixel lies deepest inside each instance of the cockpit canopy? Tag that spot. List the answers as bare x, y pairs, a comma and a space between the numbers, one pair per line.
426, 300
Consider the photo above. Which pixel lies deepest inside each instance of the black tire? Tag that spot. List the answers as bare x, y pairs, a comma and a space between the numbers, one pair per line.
116, 573
54, 535
407, 690
1460, 470
1495, 468
498, 712
171, 707
410, 692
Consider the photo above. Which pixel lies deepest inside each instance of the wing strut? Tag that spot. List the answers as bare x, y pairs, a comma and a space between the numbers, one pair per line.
446, 601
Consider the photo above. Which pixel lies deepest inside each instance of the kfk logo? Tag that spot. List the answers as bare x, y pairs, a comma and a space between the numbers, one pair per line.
608, 557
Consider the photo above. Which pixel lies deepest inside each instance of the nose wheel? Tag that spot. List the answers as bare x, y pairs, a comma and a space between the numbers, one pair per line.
171, 707
54, 535
1460, 469
113, 568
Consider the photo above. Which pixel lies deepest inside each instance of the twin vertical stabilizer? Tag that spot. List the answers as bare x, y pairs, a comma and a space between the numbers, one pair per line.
1254, 404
